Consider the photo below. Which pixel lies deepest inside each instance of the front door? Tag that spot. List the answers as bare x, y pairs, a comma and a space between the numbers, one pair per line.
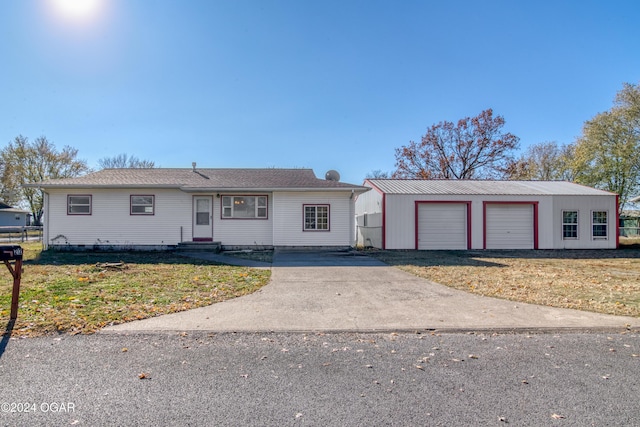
202, 219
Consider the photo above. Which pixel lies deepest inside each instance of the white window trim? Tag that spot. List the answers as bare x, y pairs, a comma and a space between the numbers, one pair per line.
606, 227
316, 206
227, 211
70, 205
576, 224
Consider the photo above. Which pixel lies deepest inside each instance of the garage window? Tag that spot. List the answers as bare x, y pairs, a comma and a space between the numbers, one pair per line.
569, 225
316, 218
599, 225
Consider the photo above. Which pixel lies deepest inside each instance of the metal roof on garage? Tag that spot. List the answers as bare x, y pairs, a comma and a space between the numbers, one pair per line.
470, 187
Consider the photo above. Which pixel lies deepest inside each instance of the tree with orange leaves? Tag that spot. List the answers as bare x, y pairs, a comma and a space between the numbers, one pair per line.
474, 148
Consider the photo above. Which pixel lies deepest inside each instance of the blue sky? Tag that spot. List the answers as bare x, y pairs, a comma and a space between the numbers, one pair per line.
319, 84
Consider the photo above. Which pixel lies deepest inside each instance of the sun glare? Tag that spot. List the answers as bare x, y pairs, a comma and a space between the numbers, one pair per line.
77, 10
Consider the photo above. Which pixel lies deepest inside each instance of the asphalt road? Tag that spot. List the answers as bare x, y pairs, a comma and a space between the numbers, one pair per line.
322, 379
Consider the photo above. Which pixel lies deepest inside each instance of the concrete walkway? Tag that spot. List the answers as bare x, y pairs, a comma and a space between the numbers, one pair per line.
345, 291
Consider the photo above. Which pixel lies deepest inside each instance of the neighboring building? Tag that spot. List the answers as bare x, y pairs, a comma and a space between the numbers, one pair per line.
630, 223
13, 217
161, 208
462, 214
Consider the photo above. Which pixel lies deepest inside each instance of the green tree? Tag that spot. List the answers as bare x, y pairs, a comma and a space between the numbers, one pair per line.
475, 147
124, 161
546, 161
30, 162
607, 155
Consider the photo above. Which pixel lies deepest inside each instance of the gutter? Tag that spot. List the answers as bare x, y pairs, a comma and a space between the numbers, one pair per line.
356, 189
272, 189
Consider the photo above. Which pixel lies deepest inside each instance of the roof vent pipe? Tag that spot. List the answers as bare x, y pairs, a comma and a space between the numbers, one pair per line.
193, 164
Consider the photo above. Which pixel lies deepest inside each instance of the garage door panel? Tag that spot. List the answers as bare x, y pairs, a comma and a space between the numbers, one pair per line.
442, 226
509, 226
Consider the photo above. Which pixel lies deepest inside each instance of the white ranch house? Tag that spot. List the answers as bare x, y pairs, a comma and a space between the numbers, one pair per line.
439, 214
161, 208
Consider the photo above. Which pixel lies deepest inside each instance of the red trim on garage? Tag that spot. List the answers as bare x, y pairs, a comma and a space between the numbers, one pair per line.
484, 219
617, 222
468, 203
384, 221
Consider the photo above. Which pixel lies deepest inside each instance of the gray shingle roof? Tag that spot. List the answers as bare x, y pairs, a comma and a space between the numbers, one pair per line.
468, 187
202, 179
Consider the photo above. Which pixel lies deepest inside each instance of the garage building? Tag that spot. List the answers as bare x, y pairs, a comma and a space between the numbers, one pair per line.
464, 214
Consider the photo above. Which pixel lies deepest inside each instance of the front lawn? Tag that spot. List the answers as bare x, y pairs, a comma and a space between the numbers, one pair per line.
604, 281
81, 292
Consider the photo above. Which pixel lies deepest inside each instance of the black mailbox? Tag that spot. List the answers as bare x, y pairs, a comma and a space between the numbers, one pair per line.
13, 253
10, 253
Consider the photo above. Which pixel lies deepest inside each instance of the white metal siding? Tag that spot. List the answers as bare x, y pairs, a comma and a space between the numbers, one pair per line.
368, 208
442, 226
400, 215
399, 229
584, 206
288, 219
509, 226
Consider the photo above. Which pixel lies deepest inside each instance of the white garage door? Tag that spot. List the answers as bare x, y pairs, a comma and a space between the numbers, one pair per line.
509, 226
442, 226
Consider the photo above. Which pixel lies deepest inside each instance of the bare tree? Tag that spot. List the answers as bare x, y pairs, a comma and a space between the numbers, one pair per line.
124, 161
378, 174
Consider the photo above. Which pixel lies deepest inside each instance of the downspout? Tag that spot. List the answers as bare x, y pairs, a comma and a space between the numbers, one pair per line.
354, 223
45, 223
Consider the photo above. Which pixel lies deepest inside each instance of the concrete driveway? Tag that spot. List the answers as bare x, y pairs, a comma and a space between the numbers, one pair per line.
347, 291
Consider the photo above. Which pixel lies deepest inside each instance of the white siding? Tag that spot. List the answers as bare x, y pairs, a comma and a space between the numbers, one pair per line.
110, 223
510, 226
400, 217
243, 232
584, 206
288, 219
400, 220
368, 208
442, 226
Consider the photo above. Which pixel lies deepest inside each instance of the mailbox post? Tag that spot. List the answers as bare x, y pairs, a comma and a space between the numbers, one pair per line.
8, 254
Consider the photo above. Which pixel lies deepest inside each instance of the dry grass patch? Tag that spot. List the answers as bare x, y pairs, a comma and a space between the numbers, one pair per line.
606, 281
81, 292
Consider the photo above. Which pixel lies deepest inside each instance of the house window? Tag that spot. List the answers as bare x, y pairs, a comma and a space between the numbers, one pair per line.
78, 205
316, 218
569, 225
244, 207
142, 205
599, 225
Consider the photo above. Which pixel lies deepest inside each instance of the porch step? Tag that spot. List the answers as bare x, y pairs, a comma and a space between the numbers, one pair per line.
200, 246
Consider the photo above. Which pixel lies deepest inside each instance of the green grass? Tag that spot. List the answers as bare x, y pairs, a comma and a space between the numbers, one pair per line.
77, 292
